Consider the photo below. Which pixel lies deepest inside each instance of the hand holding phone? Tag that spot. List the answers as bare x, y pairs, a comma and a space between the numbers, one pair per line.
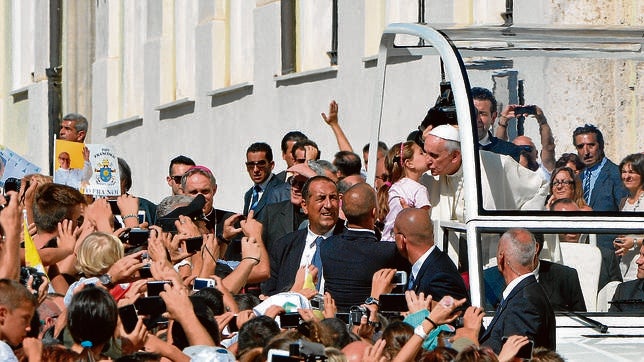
155, 287
129, 317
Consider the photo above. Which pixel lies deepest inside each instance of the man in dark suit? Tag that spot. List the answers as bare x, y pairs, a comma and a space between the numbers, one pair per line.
300, 248
601, 180
432, 271
267, 189
560, 282
289, 139
352, 258
284, 217
629, 296
525, 310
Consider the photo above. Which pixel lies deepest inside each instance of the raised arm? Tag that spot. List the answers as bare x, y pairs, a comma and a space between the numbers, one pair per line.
332, 120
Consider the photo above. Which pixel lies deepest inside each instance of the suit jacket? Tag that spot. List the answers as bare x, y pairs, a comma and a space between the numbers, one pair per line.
502, 147
275, 191
631, 290
608, 190
285, 255
526, 312
439, 277
560, 282
277, 220
349, 261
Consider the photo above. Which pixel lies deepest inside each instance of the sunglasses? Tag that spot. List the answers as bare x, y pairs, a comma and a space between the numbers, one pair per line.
251, 164
177, 179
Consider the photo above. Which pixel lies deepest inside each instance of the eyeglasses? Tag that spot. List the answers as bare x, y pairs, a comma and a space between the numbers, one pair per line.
295, 182
251, 164
177, 179
63, 158
563, 182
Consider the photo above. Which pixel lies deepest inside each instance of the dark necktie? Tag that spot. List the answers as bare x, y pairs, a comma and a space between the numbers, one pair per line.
587, 186
253, 202
317, 260
410, 284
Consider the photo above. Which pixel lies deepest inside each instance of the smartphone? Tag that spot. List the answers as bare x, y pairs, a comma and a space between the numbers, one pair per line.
201, 283
151, 306
155, 287
129, 317
114, 207
289, 320
194, 244
141, 216
400, 278
232, 325
393, 303
343, 317
525, 110
138, 237
280, 355
145, 272
525, 352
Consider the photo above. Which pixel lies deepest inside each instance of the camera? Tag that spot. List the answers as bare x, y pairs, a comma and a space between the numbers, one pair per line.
400, 278
443, 112
317, 302
26, 272
12, 184
525, 110
356, 312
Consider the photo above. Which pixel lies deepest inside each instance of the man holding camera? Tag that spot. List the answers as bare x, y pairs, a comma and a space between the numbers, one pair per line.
352, 258
485, 104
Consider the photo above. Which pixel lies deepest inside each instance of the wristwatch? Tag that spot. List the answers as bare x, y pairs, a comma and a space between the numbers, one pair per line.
372, 300
420, 331
106, 280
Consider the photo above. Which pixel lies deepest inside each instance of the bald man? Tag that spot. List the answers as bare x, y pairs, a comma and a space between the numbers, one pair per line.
432, 271
525, 309
350, 259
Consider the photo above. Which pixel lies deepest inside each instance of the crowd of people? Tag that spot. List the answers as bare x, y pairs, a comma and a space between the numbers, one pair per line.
319, 264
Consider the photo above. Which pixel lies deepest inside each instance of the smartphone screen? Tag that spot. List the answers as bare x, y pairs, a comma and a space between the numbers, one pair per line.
193, 245
129, 317
289, 320
151, 306
138, 237
114, 207
400, 278
393, 303
155, 287
145, 272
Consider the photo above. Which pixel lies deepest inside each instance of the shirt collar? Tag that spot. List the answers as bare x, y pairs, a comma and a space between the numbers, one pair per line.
514, 283
485, 140
419, 263
311, 236
263, 184
597, 166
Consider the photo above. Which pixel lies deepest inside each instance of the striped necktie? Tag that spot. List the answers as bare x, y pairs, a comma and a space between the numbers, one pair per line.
587, 174
317, 260
253, 202
410, 284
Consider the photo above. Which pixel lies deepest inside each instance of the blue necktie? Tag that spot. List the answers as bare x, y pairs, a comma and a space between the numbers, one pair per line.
253, 202
410, 284
587, 186
317, 260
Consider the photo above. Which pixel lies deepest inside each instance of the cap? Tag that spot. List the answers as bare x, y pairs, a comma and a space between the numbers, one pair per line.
446, 132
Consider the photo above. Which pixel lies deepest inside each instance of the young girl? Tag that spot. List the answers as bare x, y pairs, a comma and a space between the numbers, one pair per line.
405, 162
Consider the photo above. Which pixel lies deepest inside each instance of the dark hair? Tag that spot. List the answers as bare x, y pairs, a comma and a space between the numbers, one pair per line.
564, 201
126, 174
180, 160
53, 204
91, 308
439, 354
246, 301
636, 160
483, 94
213, 298
301, 145
339, 332
396, 334
14, 294
474, 353
348, 163
307, 184
256, 332
570, 157
205, 317
296, 136
589, 129
261, 147
381, 147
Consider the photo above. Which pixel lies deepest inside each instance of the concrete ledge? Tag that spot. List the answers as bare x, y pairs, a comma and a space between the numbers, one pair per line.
306, 77
240, 87
124, 121
174, 104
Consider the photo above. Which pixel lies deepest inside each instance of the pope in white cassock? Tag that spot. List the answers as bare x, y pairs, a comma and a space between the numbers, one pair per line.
506, 185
